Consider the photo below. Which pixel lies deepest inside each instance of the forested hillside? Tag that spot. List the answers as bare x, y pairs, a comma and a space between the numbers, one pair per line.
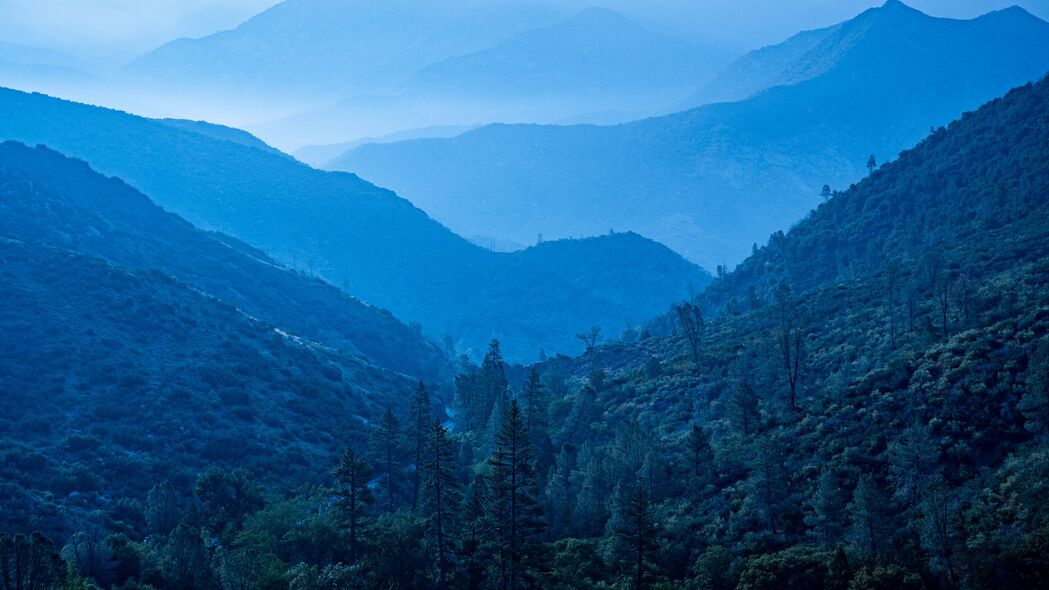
364, 239
51, 199
864, 406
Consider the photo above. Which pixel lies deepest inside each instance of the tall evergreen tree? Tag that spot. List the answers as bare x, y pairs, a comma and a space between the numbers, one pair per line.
513, 506
418, 430
353, 496
699, 458
537, 421
827, 510
475, 535
636, 534
442, 499
743, 407
386, 448
868, 519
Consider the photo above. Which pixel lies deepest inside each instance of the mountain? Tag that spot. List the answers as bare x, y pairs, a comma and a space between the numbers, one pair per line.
146, 349
754, 72
366, 239
918, 301
864, 406
300, 47
123, 376
319, 155
72, 207
712, 181
595, 61
597, 54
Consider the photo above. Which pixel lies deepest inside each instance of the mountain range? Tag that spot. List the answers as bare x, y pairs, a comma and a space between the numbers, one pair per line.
712, 181
364, 239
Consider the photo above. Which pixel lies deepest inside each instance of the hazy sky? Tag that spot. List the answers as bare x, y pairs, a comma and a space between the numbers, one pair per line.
124, 28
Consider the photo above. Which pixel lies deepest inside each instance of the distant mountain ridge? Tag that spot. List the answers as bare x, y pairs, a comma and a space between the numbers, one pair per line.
712, 181
366, 239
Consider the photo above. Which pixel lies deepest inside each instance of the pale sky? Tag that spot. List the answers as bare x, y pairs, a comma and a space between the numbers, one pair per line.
121, 29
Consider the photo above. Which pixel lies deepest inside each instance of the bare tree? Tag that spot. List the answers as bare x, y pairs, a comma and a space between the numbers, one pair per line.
791, 343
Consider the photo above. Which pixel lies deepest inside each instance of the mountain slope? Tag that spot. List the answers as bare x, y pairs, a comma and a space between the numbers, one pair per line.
49, 199
300, 47
123, 376
922, 380
753, 72
712, 181
363, 238
596, 54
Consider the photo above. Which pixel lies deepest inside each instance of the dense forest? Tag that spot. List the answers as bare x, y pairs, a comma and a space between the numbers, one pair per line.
862, 404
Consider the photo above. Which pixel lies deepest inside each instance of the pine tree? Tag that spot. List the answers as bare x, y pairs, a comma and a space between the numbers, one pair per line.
442, 498
827, 509
743, 407
351, 476
386, 448
418, 435
769, 482
513, 507
475, 535
636, 534
700, 458
590, 512
558, 495
868, 519
538, 422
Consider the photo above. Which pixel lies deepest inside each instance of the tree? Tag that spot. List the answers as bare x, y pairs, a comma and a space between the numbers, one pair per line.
868, 519
442, 498
418, 435
913, 460
826, 193
537, 421
513, 507
1034, 404
768, 487
827, 509
590, 340
30, 563
636, 534
475, 534
353, 495
387, 451
691, 321
700, 458
872, 163
791, 342
743, 406
162, 508
226, 498
938, 534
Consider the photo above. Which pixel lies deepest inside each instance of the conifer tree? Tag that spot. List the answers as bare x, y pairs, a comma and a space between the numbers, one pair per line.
827, 509
700, 458
419, 419
743, 406
513, 506
387, 452
442, 499
868, 519
475, 535
636, 534
351, 476
538, 422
